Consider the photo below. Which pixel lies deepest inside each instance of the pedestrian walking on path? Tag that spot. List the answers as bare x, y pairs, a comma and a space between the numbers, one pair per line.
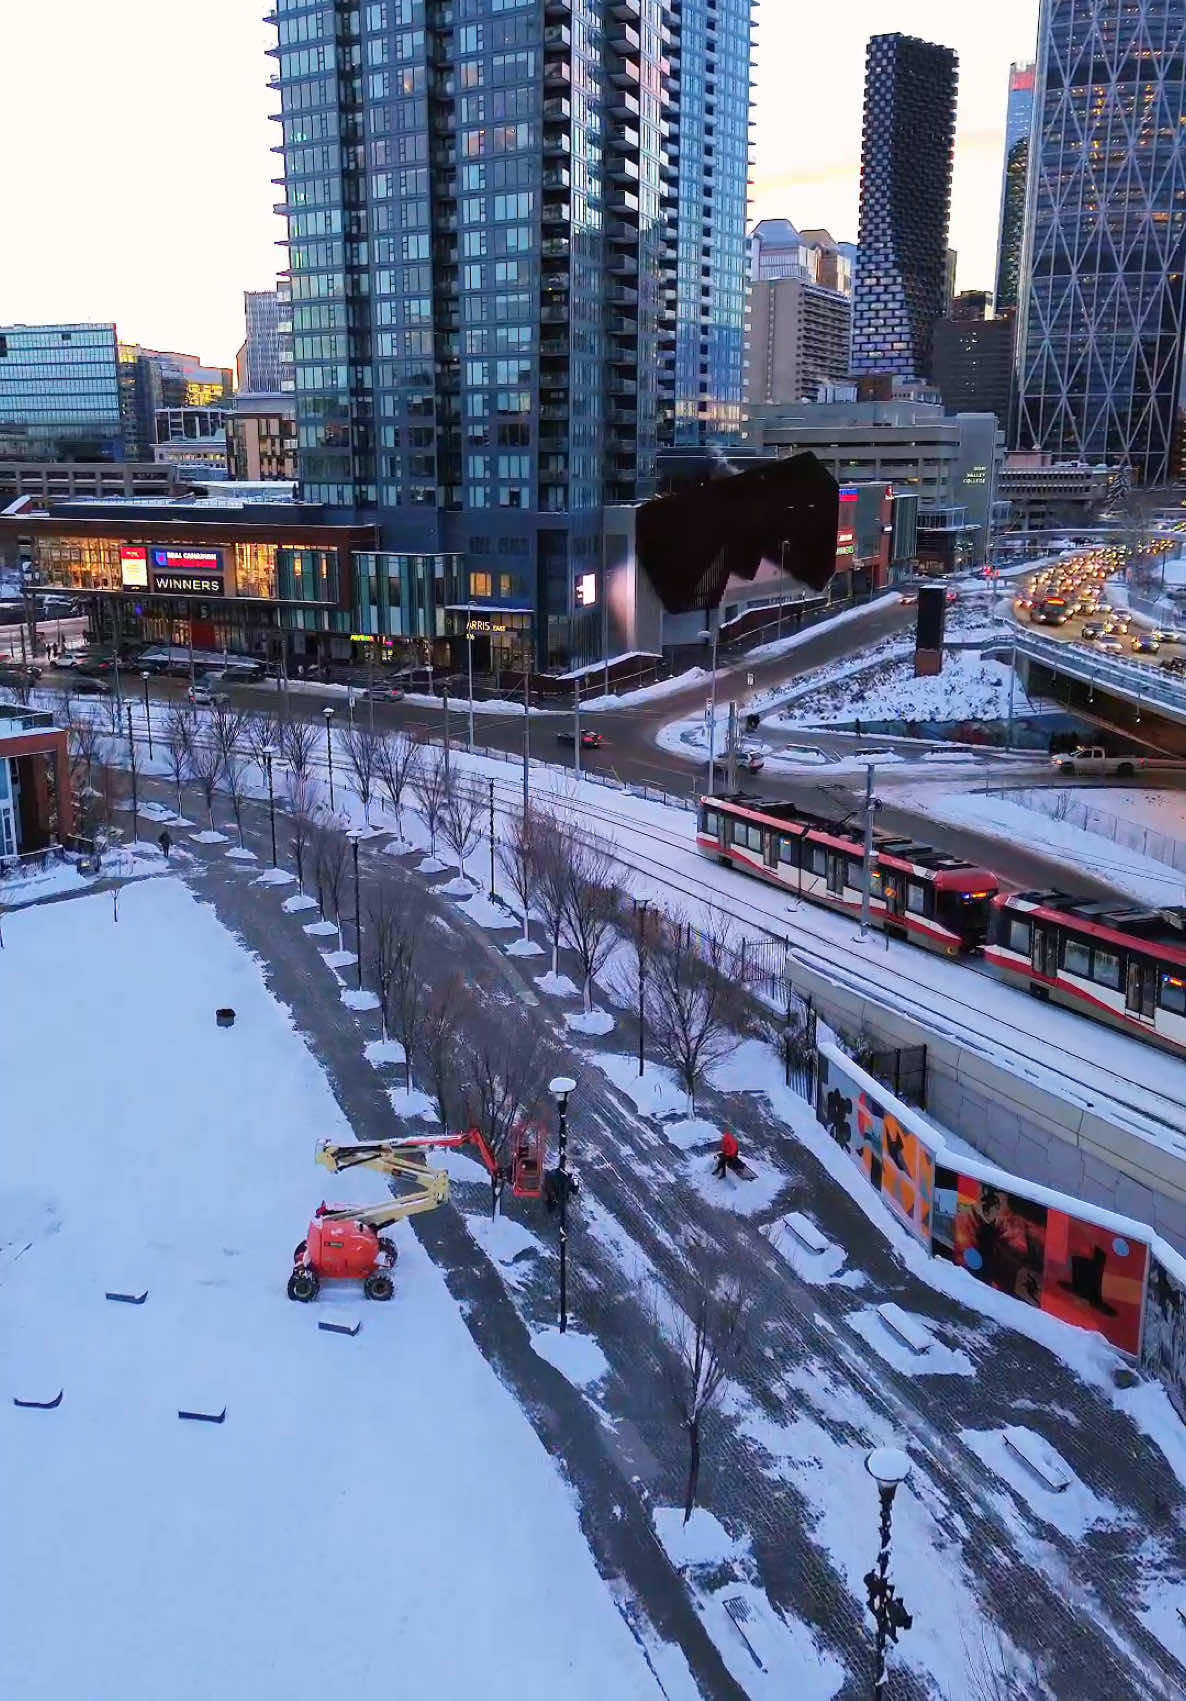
729, 1157
165, 840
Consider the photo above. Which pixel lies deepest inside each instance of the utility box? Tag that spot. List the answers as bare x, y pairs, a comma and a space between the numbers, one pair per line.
928, 636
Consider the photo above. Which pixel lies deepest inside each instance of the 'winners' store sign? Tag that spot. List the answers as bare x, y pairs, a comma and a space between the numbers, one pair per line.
187, 572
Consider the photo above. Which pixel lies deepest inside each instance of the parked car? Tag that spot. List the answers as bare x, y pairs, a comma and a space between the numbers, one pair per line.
204, 696
589, 740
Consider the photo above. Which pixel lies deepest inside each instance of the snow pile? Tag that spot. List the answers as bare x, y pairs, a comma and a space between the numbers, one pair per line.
575, 1356
969, 688
175, 1528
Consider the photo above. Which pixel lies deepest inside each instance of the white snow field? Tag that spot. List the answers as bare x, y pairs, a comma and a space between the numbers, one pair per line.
376, 1508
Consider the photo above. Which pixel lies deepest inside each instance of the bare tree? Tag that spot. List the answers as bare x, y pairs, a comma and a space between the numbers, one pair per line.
554, 838
84, 745
590, 905
261, 734
382, 932
110, 792
234, 774
396, 759
504, 1084
430, 786
461, 818
208, 763
997, 1671
704, 1330
331, 853
394, 931
297, 741
642, 926
179, 729
362, 753
227, 725
518, 857
694, 1001
438, 1052
300, 798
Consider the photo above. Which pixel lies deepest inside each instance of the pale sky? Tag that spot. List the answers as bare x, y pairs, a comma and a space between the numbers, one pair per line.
135, 140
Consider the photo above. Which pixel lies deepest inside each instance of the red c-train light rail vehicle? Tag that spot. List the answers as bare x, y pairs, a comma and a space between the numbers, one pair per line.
917, 893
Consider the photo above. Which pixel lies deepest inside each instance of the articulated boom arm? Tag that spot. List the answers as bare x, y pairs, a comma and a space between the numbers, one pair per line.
407, 1159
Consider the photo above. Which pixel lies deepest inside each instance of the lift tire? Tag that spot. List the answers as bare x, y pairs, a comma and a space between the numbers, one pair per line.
389, 1247
300, 1250
303, 1284
378, 1285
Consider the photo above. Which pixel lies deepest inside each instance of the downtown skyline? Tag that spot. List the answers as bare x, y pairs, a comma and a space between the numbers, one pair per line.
185, 230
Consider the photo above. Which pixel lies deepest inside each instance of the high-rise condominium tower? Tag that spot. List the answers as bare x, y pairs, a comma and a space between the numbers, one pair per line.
1102, 309
907, 138
517, 248
1018, 114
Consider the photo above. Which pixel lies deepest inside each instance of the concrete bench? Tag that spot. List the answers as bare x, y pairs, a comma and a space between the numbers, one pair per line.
905, 1328
806, 1233
1037, 1457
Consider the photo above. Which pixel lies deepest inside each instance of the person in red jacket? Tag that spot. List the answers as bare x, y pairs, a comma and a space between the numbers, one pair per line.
729, 1156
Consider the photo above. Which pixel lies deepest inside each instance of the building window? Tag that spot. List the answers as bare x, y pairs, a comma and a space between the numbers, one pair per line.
481, 585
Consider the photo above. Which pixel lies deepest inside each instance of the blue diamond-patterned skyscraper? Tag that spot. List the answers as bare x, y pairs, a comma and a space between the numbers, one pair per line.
907, 139
1103, 269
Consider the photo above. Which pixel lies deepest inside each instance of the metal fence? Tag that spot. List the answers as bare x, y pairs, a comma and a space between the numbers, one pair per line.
1118, 829
901, 1068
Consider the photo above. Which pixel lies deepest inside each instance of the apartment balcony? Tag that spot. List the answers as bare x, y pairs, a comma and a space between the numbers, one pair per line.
623, 170
623, 105
557, 144
625, 388
626, 11
624, 266
556, 177
555, 248
553, 475
557, 73
624, 203
557, 37
554, 411
625, 75
621, 295
555, 11
551, 438
623, 38
446, 319
553, 348
555, 282
618, 231
557, 110
556, 212
620, 415
446, 222
554, 315
619, 325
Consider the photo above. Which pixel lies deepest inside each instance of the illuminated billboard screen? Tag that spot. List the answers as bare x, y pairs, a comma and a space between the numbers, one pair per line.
586, 590
177, 571
133, 566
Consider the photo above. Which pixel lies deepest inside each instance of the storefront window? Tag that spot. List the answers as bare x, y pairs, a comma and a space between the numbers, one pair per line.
255, 570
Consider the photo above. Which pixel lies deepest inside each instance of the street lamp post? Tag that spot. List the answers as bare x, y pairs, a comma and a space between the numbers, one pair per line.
270, 753
867, 872
526, 731
492, 840
640, 905
711, 638
135, 797
576, 723
355, 835
329, 751
560, 1089
147, 713
889, 1468
445, 706
469, 663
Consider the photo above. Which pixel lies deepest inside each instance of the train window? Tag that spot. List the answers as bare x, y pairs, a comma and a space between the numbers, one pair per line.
856, 875
1019, 936
1076, 958
710, 822
916, 897
1105, 967
755, 838
1173, 994
815, 858
788, 851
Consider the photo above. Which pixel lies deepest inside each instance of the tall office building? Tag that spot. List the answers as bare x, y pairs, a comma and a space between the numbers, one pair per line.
799, 339
1103, 284
1018, 116
60, 393
156, 381
517, 250
265, 366
907, 139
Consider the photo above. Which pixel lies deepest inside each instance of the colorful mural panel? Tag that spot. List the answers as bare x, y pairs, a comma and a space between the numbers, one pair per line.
1163, 1343
895, 1160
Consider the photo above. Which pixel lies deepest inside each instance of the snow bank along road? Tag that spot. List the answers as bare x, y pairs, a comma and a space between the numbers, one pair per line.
353, 1507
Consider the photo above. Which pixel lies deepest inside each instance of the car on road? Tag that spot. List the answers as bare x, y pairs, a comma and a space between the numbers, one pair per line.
1145, 644
383, 694
86, 685
589, 740
1093, 629
1111, 643
1095, 760
19, 673
1169, 635
204, 696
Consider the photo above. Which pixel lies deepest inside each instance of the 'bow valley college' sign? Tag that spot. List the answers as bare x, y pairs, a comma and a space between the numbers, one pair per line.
187, 572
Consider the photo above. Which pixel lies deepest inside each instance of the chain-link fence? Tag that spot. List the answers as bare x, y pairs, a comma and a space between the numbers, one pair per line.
1118, 829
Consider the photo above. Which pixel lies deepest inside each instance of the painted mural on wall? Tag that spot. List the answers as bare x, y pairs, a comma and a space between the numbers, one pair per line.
1065, 1265
895, 1160
1163, 1345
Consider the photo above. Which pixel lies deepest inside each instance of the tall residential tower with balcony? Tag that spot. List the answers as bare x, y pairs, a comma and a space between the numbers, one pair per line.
516, 243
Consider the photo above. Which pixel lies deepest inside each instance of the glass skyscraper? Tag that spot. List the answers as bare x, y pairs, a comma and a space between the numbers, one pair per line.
1103, 263
516, 241
900, 287
60, 393
1018, 116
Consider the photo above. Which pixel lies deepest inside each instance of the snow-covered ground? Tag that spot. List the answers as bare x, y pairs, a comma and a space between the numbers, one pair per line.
1163, 811
969, 688
1129, 871
372, 1507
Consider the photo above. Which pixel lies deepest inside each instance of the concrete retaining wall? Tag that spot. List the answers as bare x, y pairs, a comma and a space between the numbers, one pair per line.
1019, 1125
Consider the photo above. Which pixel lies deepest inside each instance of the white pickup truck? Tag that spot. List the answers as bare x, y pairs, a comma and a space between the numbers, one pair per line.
1093, 761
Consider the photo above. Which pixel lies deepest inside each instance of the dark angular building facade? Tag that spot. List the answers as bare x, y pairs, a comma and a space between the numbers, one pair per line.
517, 246
973, 359
907, 141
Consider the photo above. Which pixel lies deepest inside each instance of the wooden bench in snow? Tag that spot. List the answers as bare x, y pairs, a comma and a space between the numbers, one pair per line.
905, 1328
1042, 1460
806, 1233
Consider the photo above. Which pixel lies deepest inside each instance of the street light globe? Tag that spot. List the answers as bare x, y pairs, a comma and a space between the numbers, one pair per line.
270, 752
354, 834
145, 675
327, 712
888, 1466
561, 1086
705, 634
